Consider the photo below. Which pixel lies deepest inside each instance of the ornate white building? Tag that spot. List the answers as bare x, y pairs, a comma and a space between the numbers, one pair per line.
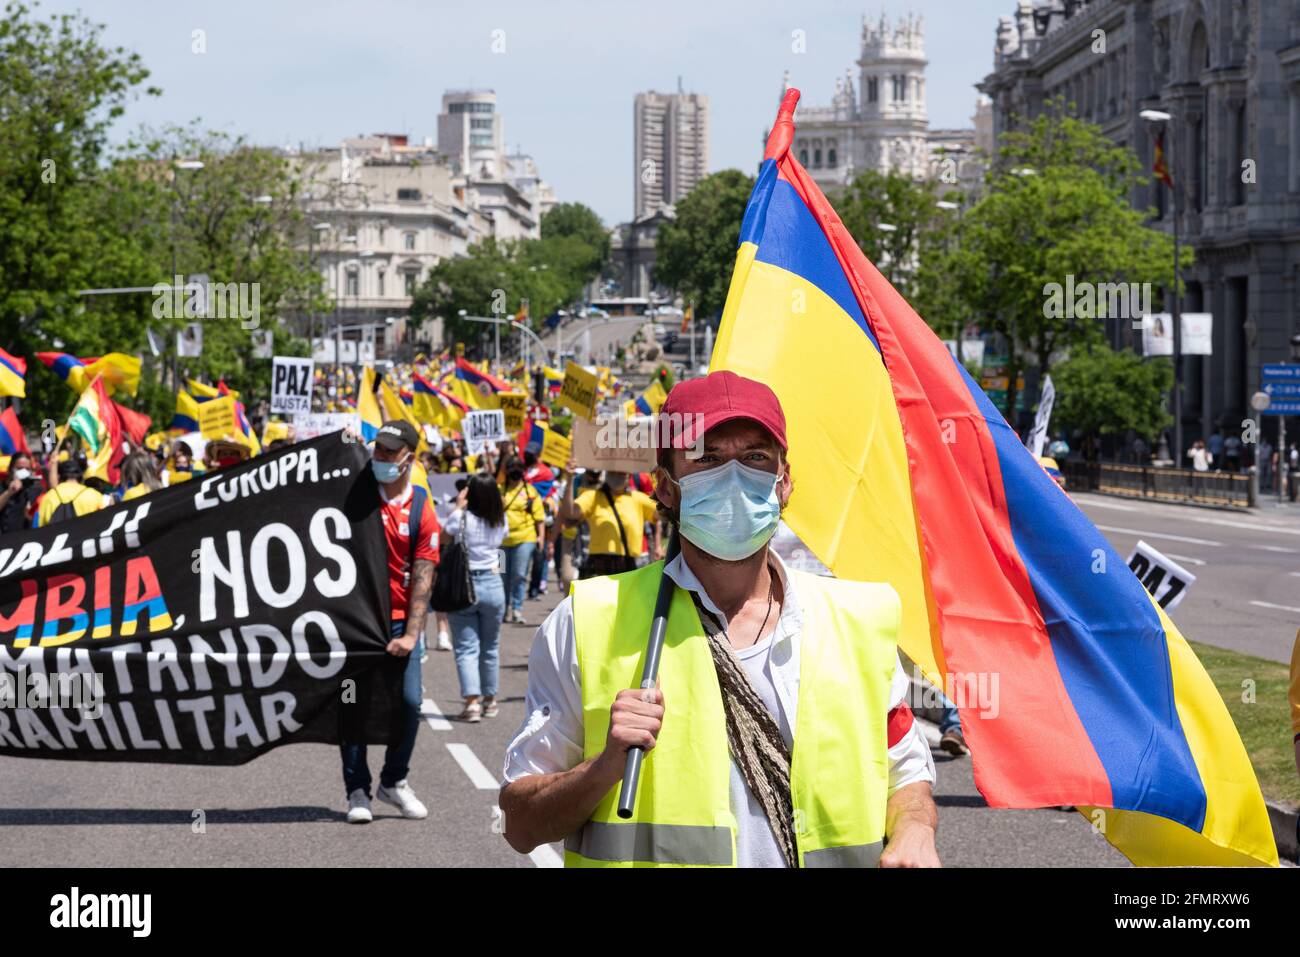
880, 122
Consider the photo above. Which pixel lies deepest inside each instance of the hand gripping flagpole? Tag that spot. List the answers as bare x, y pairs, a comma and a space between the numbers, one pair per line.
649, 675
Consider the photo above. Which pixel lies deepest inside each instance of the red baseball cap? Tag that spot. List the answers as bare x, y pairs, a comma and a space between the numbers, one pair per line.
720, 397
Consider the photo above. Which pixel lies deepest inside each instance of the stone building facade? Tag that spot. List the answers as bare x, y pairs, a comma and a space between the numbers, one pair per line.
1228, 71
880, 121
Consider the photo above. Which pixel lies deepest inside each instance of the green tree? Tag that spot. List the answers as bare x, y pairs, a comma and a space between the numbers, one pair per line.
60, 90
1104, 392
238, 220
891, 217
696, 250
1056, 206
572, 224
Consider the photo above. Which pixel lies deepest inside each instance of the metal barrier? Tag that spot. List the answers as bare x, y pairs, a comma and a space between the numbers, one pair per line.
1230, 489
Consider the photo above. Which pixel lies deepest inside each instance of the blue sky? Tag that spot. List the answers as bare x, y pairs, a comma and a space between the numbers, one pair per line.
289, 71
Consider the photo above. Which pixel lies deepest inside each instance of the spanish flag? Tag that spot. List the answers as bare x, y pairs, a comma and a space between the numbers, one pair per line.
907, 474
95, 419
1161, 167
13, 375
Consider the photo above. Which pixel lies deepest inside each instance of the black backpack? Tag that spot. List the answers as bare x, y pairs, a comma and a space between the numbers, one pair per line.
65, 512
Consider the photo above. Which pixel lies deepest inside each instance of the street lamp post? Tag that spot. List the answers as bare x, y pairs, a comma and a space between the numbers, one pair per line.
1175, 305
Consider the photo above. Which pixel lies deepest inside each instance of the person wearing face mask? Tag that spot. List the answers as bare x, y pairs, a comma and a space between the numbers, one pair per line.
411, 533
616, 516
20, 493
778, 735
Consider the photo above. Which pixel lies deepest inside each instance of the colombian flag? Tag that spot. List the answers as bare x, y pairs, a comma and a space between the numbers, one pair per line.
648, 402
435, 406
368, 406
12, 437
13, 375
241, 419
906, 473
121, 373
485, 382
186, 417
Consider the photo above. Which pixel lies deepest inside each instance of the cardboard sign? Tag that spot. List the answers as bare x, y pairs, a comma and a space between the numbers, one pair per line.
614, 443
556, 448
1164, 578
481, 428
514, 406
291, 382
578, 391
217, 417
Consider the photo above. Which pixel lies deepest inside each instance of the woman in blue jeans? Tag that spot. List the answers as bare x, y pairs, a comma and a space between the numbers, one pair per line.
479, 521
525, 520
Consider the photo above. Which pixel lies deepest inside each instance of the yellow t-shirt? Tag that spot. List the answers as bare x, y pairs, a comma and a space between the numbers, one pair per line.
523, 512
135, 491
634, 510
82, 499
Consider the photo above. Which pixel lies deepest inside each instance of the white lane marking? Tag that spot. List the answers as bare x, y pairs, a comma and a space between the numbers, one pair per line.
1275, 548
544, 856
1295, 574
433, 717
1116, 506
1269, 604
1173, 538
478, 775
1185, 558
1164, 511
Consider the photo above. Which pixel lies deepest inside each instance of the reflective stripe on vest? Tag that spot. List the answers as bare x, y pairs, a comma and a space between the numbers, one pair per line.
859, 855
664, 843
683, 816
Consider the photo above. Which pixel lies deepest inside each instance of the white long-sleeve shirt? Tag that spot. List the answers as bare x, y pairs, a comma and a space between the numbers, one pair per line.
551, 738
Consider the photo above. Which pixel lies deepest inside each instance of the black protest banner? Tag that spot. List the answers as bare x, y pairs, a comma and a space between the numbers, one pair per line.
205, 623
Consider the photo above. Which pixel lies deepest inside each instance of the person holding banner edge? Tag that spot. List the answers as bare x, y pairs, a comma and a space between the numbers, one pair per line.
411, 532
778, 734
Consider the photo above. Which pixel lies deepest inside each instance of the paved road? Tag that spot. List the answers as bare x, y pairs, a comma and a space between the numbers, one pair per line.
604, 337
286, 808
1247, 566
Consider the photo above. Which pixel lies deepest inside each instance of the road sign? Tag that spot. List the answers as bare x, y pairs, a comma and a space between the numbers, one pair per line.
1283, 407
1280, 381
1280, 371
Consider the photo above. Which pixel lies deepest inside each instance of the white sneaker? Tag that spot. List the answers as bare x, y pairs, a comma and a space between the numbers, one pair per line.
444, 641
403, 798
359, 808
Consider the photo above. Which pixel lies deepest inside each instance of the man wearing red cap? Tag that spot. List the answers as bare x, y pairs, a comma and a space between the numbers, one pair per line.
777, 737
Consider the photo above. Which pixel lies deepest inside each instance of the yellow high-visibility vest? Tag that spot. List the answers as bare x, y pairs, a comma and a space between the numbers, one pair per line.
839, 773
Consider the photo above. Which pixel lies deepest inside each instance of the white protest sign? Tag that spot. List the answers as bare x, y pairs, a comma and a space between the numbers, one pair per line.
483, 427
310, 425
291, 381
1038, 435
1164, 578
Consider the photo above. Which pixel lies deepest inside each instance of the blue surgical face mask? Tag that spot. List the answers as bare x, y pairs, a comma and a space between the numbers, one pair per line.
387, 471
730, 511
